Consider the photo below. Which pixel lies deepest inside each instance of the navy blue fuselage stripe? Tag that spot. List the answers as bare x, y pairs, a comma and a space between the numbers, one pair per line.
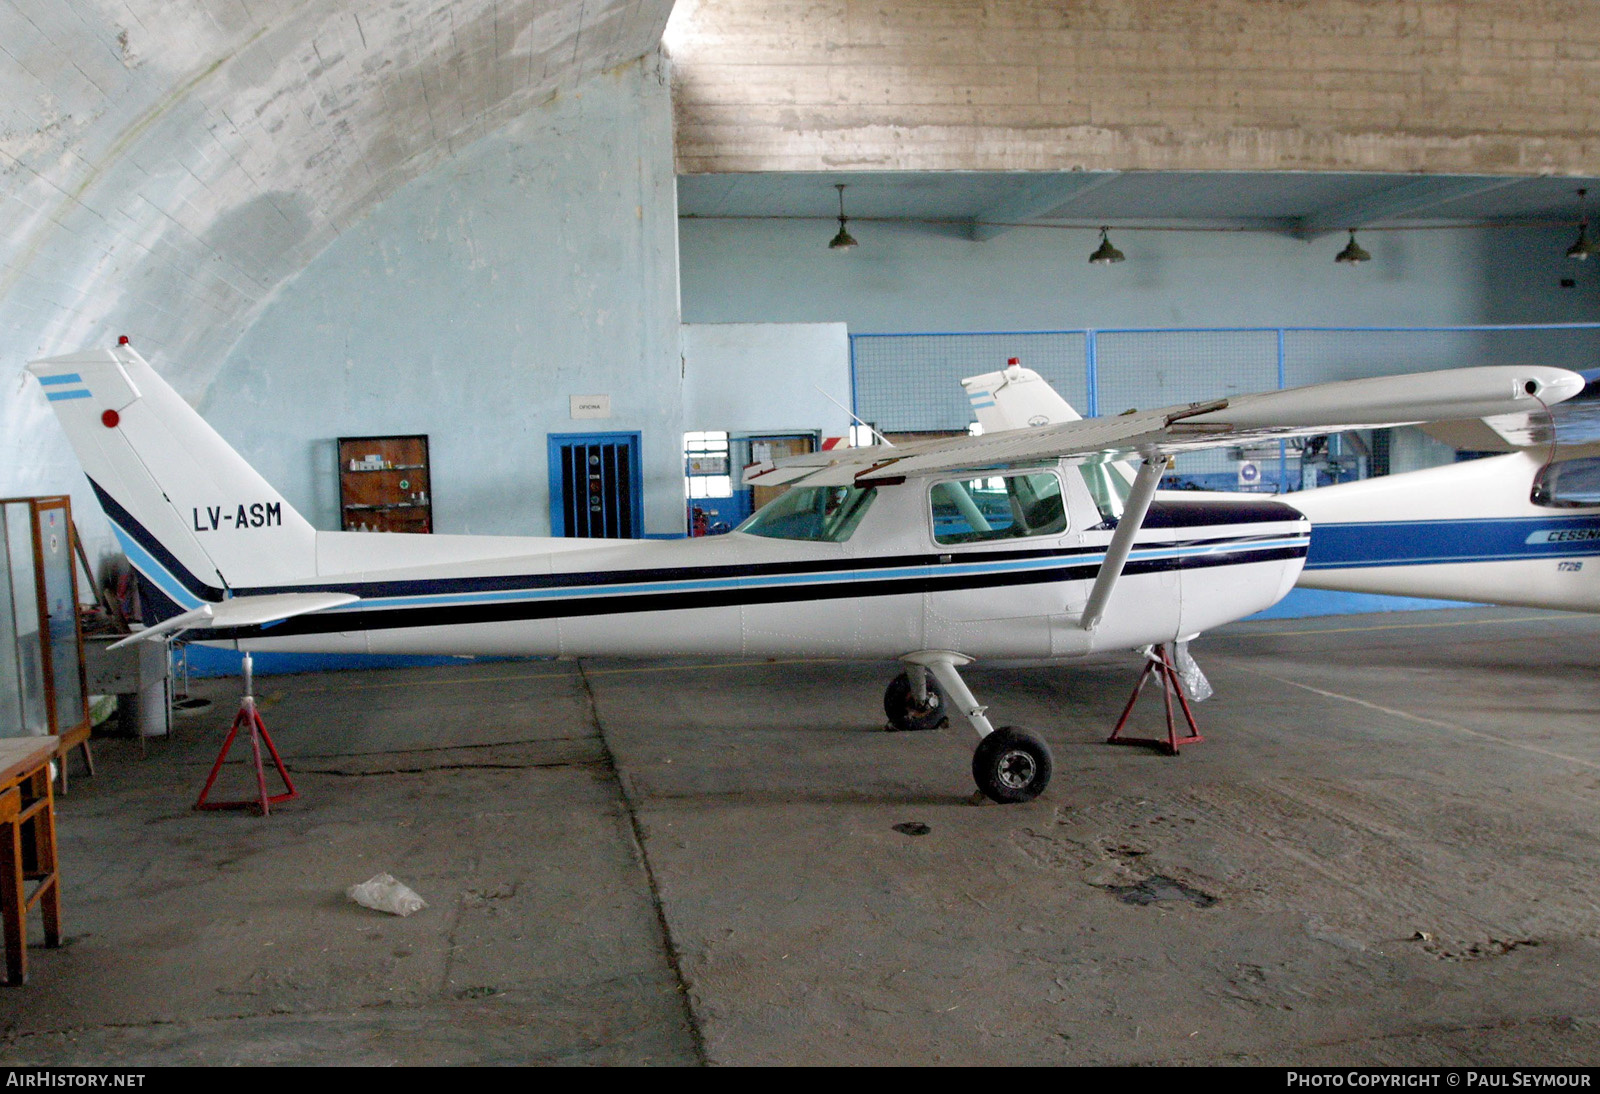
1180, 514
141, 535
1426, 542
1195, 514
505, 583
514, 611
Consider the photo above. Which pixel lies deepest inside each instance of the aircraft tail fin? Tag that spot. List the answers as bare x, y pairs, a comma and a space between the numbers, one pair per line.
1016, 398
194, 518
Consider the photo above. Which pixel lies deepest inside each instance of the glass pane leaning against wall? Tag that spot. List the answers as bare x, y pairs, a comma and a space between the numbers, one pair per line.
21, 645
61, 612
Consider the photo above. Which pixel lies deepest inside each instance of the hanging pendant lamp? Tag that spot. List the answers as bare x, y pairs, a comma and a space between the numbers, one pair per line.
1106, 254
844, 241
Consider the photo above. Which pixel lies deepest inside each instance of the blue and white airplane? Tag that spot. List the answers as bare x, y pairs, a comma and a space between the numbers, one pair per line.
1520, 529
1023, 544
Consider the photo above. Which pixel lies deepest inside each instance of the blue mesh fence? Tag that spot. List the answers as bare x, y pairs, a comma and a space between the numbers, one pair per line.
1313, 356
1145, 369
912, 382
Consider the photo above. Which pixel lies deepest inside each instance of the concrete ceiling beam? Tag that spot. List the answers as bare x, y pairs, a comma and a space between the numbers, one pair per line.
1407, 199
1035, 198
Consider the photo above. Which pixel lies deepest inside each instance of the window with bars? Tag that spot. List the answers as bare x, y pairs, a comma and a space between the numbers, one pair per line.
705, 464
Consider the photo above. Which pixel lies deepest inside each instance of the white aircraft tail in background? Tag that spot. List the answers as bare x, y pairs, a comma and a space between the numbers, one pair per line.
1016, 398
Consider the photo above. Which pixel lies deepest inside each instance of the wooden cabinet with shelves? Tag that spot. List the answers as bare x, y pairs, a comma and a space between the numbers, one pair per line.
384, 484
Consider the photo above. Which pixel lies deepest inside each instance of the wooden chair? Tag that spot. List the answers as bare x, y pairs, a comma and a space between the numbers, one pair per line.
76, 738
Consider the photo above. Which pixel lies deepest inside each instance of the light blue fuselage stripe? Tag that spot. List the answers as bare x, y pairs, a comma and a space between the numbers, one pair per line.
168, 584
64, 378
843, 578
146, 564
61, 396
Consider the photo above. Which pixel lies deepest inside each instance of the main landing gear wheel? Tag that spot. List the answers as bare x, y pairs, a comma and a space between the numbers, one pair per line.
908, 715
1011, 765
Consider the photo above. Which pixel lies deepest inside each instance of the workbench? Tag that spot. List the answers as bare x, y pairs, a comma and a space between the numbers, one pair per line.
27, 848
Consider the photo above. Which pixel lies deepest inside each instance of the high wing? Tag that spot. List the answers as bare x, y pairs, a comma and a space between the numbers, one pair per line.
1574, 424
1318, 408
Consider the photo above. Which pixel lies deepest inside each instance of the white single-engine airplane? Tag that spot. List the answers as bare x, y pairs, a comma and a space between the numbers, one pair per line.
1521, 529
1023, 544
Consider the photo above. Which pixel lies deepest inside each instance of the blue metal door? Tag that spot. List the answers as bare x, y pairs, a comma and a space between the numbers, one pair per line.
595, 485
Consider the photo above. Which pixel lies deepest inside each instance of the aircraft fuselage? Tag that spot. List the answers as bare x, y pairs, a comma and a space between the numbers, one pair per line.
890, 588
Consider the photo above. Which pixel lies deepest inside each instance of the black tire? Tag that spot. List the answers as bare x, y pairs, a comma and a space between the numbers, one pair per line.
906, 715
1011, 765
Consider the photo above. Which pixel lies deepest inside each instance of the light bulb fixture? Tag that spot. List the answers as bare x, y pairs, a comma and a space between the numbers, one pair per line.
1106, 254
1353, 252
1582, 247
844, 241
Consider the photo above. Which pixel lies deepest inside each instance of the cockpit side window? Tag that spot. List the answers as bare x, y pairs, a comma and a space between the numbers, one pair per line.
998, 507
1109, 487
1569, 484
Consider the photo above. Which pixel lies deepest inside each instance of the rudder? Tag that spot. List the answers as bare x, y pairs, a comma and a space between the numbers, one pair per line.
193, 517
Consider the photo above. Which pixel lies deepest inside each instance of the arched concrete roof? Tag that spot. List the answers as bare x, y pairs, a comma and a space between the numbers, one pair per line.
168, 164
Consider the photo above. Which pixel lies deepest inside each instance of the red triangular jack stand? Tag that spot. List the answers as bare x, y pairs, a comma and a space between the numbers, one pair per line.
1159, 663
249, 717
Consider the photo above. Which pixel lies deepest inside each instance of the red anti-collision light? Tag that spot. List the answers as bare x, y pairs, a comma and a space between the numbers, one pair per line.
110, 419
122, 339
1013, 360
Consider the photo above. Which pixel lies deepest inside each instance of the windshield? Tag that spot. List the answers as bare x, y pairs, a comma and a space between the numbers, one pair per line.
822, 514
1569, 484
1109, 488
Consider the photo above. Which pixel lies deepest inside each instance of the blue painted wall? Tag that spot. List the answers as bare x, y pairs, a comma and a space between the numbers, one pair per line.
907, 277
538, 263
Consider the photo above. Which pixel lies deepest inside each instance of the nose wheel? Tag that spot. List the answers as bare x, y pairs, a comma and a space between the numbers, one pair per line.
916, 704
1010, 765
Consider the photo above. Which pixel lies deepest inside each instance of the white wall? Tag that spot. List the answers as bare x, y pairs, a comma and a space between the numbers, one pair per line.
764, 377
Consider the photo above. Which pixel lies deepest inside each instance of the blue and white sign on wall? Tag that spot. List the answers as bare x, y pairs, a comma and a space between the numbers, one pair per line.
1249, 473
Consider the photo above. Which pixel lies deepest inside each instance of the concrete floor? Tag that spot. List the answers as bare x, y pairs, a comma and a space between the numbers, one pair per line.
1385, 852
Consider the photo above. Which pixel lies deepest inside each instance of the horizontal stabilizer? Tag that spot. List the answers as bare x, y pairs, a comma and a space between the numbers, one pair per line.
243, 611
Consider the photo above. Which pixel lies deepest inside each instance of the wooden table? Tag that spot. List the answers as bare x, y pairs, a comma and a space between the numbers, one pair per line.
27, 847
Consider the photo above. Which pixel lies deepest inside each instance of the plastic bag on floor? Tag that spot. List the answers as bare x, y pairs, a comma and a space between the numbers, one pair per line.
383, 893
1194, 681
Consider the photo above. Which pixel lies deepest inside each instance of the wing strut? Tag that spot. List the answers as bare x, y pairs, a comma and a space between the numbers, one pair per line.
1139, 498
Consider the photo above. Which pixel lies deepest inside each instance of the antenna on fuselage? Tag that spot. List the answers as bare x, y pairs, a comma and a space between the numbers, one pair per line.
887, 443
